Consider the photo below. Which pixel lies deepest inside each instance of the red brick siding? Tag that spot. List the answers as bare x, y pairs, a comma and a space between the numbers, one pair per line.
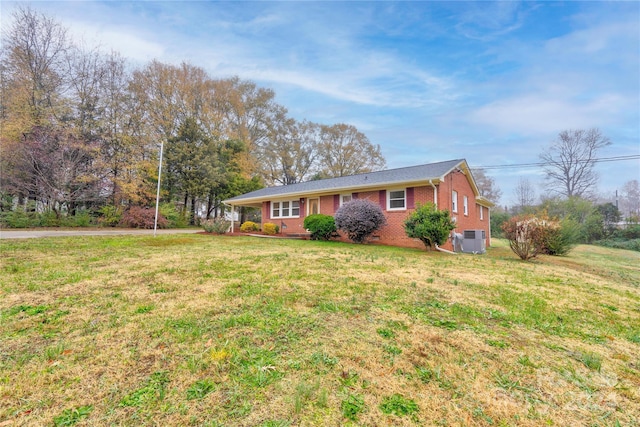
393, 233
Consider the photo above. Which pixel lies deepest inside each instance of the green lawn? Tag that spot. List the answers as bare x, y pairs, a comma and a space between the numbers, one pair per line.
241, 331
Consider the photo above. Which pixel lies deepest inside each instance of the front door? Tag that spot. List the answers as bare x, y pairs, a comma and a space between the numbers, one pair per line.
314, 206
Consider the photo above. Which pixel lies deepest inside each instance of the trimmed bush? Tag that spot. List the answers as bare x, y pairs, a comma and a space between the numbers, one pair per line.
321, 227
139, 217
249, 226
270, 228
216, 225
359, 219
429, 225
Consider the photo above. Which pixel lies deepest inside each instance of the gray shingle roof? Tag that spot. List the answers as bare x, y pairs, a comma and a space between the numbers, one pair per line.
385, 177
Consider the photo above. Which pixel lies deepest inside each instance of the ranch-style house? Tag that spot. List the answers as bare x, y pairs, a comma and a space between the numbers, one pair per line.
449, 185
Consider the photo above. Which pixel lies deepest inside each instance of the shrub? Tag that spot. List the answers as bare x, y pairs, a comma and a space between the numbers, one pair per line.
216, 225
176, 217
270, 228
559, 238
321, 227
631, 245
48, 219
631, 231
359, 218
429, 225
525, 234
139, 217
530, 235
18, 219
110, 215
249, 226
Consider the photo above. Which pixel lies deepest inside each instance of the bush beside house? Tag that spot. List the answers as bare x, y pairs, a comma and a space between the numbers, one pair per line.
430, 225
359, 219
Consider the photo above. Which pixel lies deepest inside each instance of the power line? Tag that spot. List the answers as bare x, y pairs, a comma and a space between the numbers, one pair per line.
539, 164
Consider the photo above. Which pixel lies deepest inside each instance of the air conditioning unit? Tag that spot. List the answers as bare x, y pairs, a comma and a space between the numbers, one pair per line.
474, 241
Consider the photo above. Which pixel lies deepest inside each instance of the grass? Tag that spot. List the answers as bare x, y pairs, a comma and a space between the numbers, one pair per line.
240, 331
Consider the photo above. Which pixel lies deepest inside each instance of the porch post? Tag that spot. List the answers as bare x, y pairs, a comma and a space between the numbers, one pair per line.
233, 211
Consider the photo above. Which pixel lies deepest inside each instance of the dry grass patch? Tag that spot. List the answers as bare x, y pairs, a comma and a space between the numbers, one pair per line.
240, 331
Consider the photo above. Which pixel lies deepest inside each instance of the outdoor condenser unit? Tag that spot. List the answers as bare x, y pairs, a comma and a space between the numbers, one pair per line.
474, 241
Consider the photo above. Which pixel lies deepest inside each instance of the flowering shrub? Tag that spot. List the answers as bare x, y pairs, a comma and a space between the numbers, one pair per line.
216, 225
359, 218
530, 235
321, 227
270, 228
249, 226
139, 217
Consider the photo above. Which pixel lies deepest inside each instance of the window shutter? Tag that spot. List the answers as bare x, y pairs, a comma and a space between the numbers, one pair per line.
354, 196
411, 204
268, 209
382, 199
336, 202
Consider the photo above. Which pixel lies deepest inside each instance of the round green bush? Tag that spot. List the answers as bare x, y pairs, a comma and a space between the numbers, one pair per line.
321, 227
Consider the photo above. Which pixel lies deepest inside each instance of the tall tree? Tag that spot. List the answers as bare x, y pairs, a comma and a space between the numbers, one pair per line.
34, 55
54, 167
524, 194
570, 160
631, 199
487, 186
343, 150
290, 153
190, 159
33, 58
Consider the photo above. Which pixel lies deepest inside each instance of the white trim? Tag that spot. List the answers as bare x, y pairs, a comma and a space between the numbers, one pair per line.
481, 212
465, 205
454, 201
290, 207
404, 199
343, 195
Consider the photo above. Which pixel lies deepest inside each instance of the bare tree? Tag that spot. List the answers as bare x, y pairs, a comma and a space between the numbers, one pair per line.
570, 160
34, 53
344, 150
290, 154
631, 199
487, 186
524, 193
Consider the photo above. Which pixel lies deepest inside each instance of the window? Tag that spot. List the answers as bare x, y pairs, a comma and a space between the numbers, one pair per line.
344, 198
396, 200
285, 209
454, 201
481, 213
465, 205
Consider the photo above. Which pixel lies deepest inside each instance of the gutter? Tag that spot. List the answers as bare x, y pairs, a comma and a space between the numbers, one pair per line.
435, 193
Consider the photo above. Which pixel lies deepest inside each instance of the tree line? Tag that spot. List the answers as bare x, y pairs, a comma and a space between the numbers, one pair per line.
81, 130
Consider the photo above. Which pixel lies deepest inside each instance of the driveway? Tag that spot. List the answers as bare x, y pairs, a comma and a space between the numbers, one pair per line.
56, 232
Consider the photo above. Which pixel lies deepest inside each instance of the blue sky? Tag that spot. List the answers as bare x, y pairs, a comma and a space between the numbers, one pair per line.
492, 82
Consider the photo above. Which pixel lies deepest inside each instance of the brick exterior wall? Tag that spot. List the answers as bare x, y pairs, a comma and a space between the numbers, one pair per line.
393, 233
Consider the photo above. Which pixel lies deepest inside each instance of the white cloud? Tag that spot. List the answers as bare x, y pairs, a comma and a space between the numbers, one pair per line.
540, 114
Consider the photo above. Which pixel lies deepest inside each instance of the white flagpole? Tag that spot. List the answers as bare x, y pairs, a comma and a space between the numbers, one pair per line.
155, 223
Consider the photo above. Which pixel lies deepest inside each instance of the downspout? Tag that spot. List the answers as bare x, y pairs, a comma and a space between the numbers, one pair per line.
435, 193
438, 248
489, 222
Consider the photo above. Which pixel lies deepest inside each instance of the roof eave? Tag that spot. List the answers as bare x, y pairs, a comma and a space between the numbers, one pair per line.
335, 190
